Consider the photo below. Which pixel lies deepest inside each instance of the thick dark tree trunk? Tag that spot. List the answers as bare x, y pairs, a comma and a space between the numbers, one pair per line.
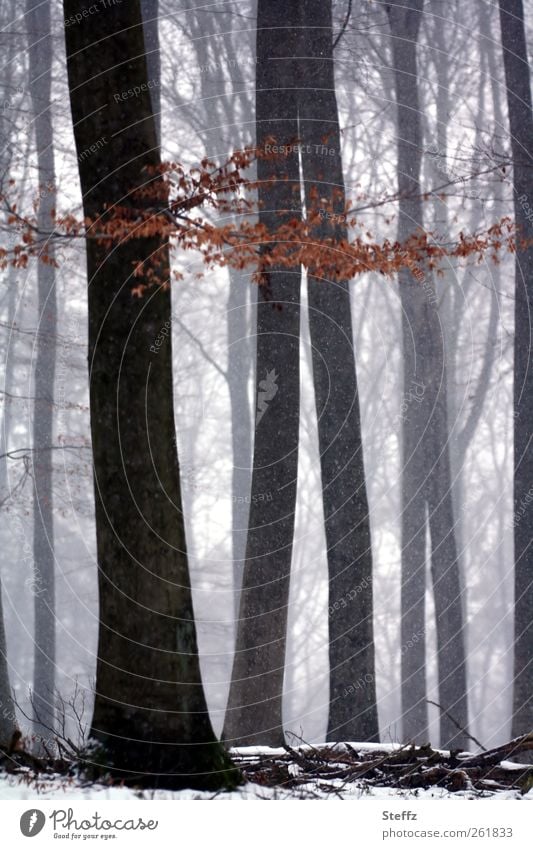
353, 711
150, 714
426, 479
40, 57
254, 713
517, 78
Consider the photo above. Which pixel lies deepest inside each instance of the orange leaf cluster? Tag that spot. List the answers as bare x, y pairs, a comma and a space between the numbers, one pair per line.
208, 209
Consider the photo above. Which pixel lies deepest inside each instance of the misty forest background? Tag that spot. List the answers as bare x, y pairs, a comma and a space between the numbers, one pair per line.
202, 69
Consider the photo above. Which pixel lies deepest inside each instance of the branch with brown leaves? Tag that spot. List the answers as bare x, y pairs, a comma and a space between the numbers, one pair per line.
207, 209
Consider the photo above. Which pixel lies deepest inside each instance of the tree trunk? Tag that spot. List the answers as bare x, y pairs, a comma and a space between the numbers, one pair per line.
40, 69
150, 15
7, 709
254, 713
239, 356
517, 78
150, 715
219, 115
426, 479
345, 505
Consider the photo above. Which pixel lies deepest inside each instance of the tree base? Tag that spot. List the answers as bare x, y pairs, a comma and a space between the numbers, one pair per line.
203, 766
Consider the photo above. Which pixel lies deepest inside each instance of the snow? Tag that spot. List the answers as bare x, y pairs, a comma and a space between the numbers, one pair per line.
53, 787
58, 788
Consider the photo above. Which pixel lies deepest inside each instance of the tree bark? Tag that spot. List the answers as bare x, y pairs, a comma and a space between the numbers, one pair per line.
150, 15
7, 708
345, 505
517, 79
220, 113
239, 357
254, 713
150, 716
426, 480
40, 58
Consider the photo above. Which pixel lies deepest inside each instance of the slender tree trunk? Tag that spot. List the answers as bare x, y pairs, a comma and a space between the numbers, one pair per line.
426, 479
40, 57
239, 356
242, 314
517, 78
8, 720
150, 715
353, 711
413, 532
254, 714
219, 112
446, 290
7, 709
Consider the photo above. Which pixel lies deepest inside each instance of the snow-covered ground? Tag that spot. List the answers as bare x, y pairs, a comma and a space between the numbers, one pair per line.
54, 787
11, 789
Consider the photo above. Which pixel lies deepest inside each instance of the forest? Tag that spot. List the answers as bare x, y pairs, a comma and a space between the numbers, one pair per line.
266, 444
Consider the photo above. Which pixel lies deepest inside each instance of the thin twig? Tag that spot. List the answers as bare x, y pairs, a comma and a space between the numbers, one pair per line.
344, 24
459, 727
